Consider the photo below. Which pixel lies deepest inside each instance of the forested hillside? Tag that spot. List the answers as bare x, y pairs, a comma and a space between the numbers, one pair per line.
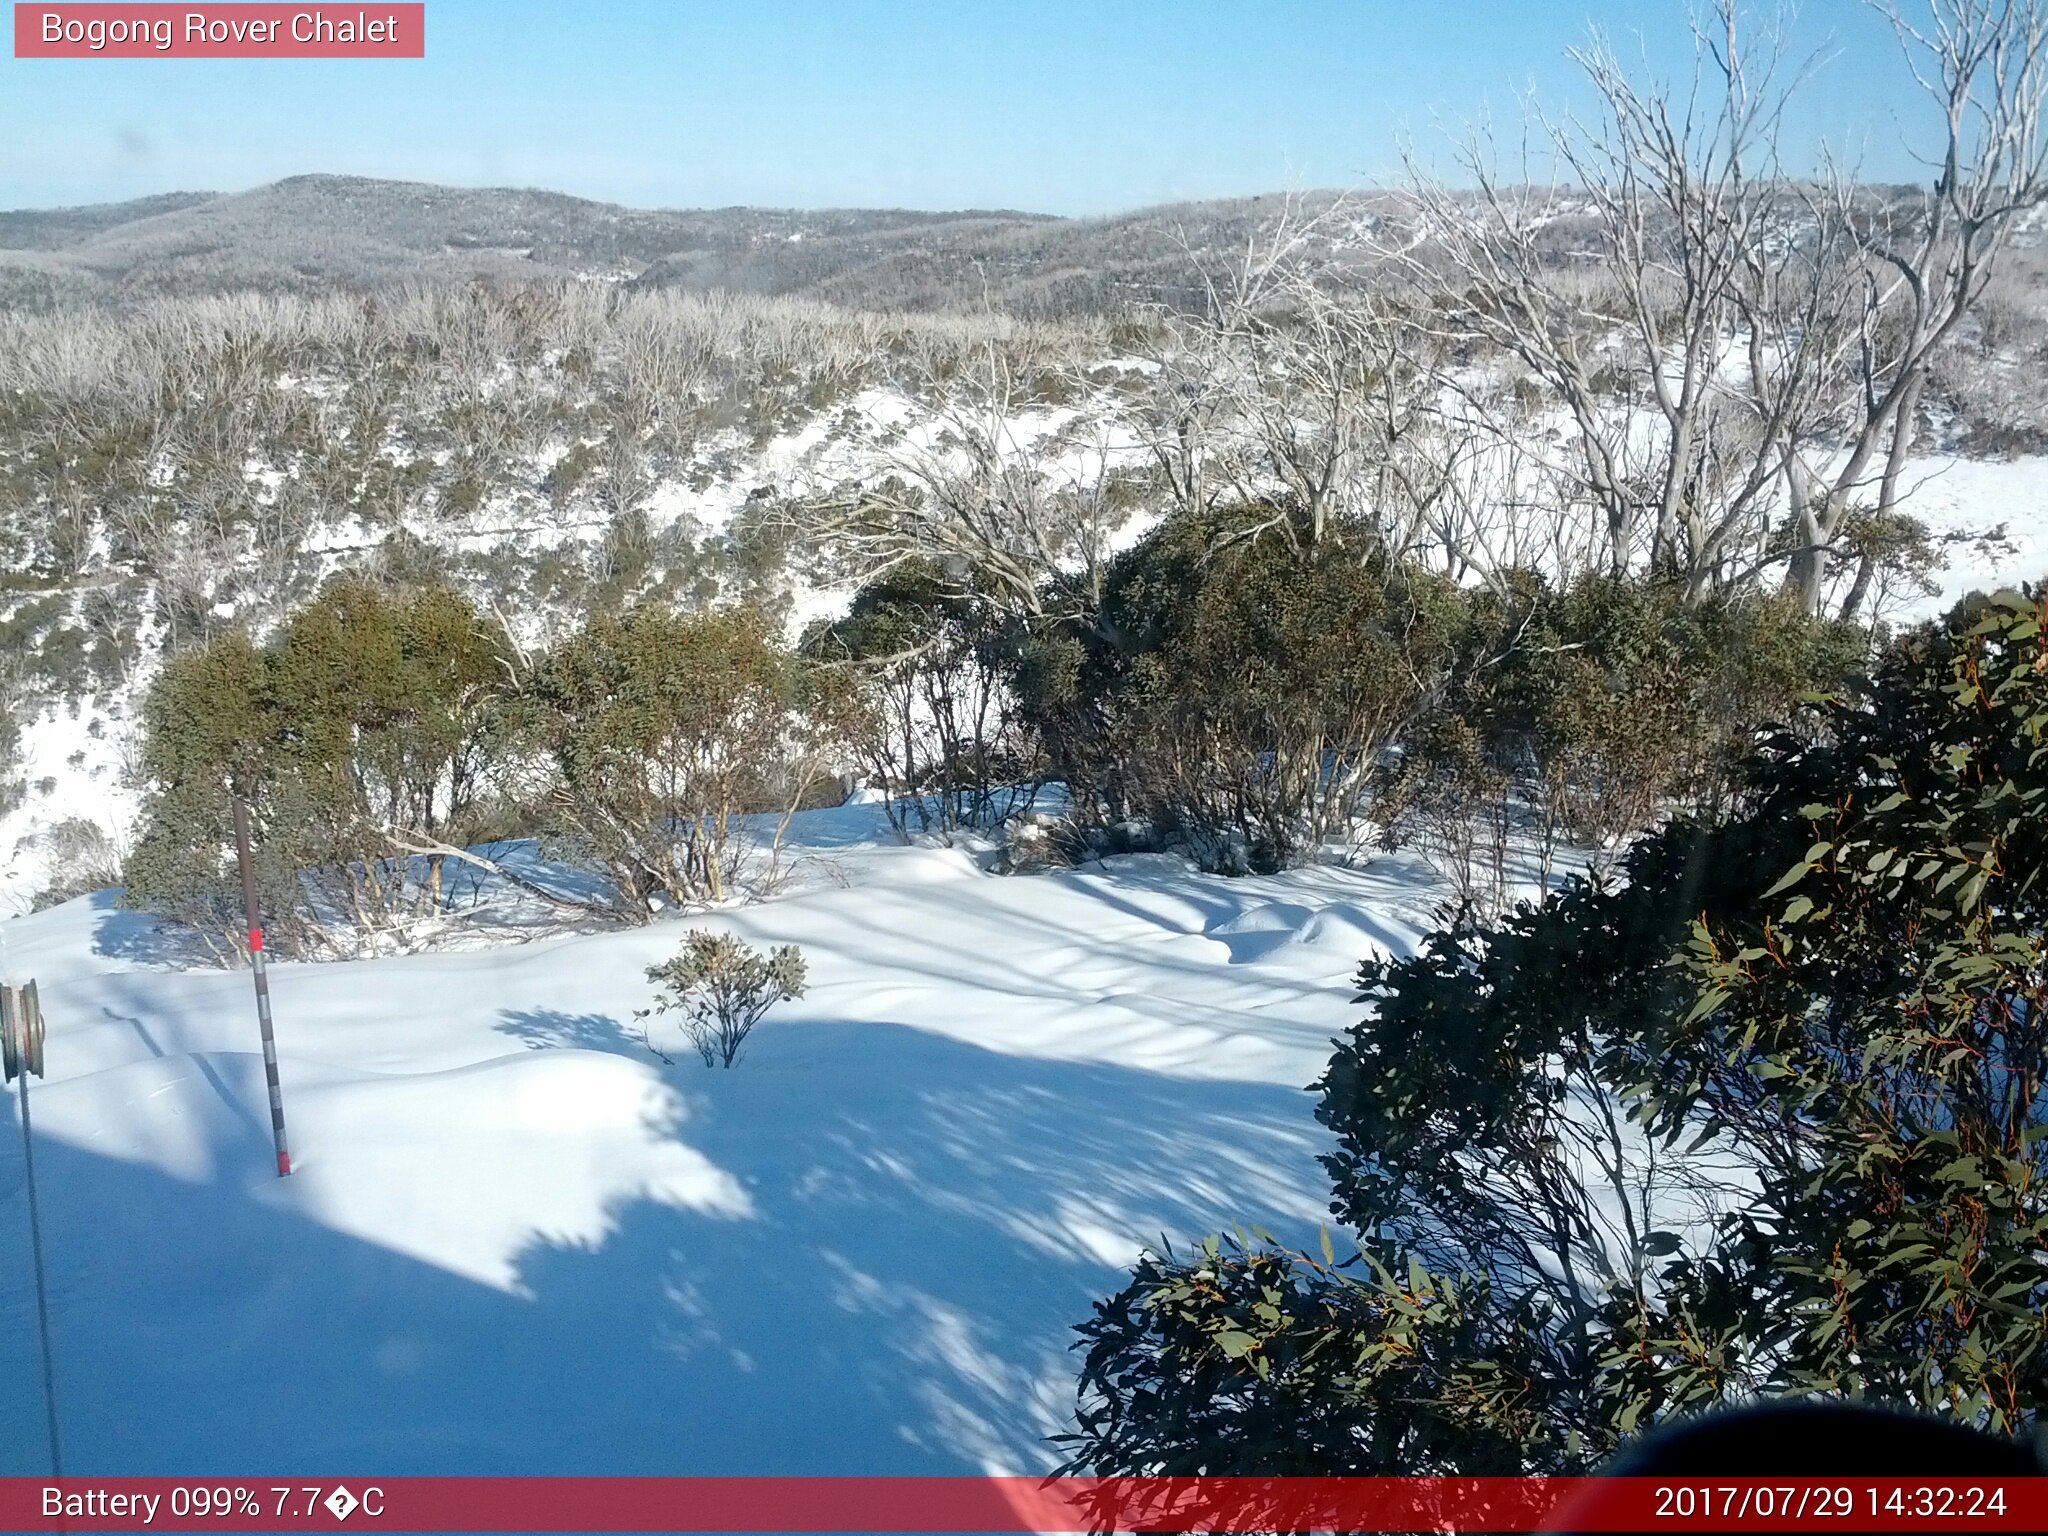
317, 234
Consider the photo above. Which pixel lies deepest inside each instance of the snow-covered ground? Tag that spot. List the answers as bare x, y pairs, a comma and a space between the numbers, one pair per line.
518, 1243
1977, 496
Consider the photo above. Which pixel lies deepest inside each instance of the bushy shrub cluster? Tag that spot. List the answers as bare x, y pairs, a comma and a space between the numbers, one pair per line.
387, 730
1766, 1118
1255, 700
1252, 699
1237, 692
1579, 716
371, 710
663, 731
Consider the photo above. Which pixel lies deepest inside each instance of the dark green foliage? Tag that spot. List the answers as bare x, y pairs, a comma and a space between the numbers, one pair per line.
1254, 1360
382, 733
404, 559
1583, 715
50, 653
664, 730
623, 560
205, 727
1253, 697
1767, 1118
367, 726
568, 474
1885, 1001
10, 737
1239, 690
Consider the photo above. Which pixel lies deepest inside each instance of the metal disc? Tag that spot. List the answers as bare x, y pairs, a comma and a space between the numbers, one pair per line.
10, 1035
31, 1030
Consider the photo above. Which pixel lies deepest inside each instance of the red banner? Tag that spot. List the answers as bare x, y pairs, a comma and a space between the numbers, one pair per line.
360, 31
1022, 1504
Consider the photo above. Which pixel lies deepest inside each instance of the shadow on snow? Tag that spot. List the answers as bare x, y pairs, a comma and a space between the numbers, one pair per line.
900, 1300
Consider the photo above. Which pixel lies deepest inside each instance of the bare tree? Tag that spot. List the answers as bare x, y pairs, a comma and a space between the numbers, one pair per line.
1773, 331
1616, 282
999, 494
1293, 389
1929, 258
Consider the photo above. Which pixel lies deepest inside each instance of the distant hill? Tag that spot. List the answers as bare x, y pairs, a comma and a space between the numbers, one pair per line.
310, 233
50, 229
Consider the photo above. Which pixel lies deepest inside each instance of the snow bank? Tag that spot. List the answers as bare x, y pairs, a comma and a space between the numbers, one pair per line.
519, 1243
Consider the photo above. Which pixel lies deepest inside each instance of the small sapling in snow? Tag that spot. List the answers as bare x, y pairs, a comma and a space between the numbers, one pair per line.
722, 987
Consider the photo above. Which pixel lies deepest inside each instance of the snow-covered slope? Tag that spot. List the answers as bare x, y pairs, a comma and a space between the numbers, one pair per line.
1959, 496
74, 750
517, 1242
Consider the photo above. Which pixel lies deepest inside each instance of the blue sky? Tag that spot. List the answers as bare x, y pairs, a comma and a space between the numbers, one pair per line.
1060, 106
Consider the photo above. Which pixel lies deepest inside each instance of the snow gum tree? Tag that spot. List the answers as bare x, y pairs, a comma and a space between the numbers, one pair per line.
1772, 326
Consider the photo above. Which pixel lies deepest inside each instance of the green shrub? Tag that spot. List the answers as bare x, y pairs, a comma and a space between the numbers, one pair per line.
941, 730
722, 987
1239, 692
569, 474
371, 724
1596, 710
1765, 1119
664, 731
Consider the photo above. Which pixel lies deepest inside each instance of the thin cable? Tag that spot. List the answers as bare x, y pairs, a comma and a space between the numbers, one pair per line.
35, 1233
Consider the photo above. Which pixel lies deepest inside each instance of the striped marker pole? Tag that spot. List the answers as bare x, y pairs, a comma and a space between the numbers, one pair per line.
21, 1053
255, 920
